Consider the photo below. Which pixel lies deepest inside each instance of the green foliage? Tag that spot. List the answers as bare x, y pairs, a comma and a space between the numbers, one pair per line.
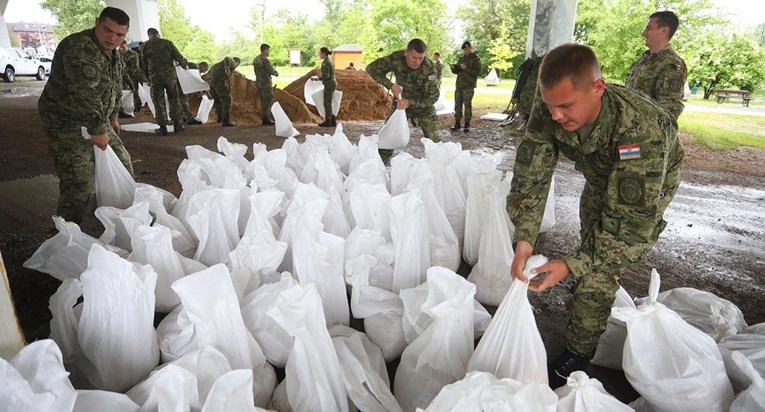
398, 21
758, 34
194, 43
726, 61
73, 15
502, 54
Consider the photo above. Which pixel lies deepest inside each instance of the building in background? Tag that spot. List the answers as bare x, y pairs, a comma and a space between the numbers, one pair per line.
345, 54
36, 36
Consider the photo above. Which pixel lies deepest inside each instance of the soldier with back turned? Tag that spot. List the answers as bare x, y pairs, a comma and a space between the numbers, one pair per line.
218, 77
159, 56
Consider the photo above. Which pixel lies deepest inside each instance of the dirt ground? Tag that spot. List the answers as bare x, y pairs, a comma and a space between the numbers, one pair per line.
715, 238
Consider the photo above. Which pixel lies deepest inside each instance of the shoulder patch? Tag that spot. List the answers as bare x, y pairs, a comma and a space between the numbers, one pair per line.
525, 152
631, 190
675, 85
629, 151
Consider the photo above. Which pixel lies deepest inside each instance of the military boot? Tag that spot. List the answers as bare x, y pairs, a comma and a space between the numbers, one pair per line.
220, 118
161, 131
193, 121
326, 123
467, 127
267, 122
334, 121
456, 126
178, 127
227, 122
565, 364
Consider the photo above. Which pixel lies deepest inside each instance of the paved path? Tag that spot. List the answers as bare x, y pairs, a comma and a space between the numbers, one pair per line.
747, 111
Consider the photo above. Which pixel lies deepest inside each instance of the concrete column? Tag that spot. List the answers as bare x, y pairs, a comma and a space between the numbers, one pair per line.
143, 15
5, 40
551, 24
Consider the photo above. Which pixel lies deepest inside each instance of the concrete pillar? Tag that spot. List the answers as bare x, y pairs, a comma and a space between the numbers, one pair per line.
551, 24
143, 15
5, 40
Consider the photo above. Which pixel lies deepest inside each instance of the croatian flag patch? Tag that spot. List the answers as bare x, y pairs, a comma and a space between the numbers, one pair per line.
631, 151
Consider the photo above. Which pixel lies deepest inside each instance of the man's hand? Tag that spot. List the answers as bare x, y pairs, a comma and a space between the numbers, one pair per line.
402, 104
463, 67
523, 251
116, 127
101, 140
396, 90
551, 273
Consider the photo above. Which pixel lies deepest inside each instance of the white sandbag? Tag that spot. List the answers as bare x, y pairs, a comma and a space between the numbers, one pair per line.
425, 367
318, 100
751, 343
447, 187
207, 365
283, 126
170, 388
308, 200
363, 370
255, 255
445, 248
127, 102
582, 394
213, 217
97, 401
342, 150
271, 337
395, 132
684, 371
65, 255
233, 151
481, 187
403, 169
114, 185
309, 89
491, 274
121, 343
481, 391
232, 392
368, 150
35, 380
335, 221
114, 221
611, 343
370, 205
63, 330
512, 346
205, 106
411, 237
182, 239
263, 207
312, 374
175, 334
190, 80
753, 398
548, 218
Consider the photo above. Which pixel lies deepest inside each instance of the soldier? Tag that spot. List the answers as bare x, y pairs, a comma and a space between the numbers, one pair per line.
439, 67
183, 100
263, 72
134, 73
628, 150
467, 69
80, 100
660, 73
415, 90
218, 79
158, 57
330, 85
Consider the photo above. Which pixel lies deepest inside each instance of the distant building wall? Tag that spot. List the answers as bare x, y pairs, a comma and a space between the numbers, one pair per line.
343, 59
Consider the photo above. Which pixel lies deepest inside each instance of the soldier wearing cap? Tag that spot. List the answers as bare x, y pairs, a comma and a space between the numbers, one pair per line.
660, 73
627, 147
416, 87
467, 69
78, 108
263, 72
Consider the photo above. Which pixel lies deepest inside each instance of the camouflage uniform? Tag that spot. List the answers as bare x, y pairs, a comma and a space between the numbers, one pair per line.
330, 84
631, 164
158, 56
420, 87
439, 71
465, 88
529, 91
218, 76
263, 72
134, 74
661, 76
83, 90
182, 98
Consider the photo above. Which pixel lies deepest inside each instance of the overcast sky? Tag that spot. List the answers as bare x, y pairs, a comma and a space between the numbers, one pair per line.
235, 14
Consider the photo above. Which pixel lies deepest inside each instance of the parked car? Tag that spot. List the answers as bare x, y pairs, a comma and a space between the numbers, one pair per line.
46, 62
14, 63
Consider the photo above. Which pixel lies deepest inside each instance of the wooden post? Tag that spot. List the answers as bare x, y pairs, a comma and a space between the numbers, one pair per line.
11, 337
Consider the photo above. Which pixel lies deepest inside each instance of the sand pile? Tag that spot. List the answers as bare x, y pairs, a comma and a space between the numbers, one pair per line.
363, 98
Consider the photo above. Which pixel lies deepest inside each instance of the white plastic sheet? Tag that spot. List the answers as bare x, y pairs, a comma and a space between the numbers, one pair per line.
318, 97
395, 132
190, 80
309, 89
753, 398
751, 343
283, 126
203, 114
127, 102
114, 185
97, 401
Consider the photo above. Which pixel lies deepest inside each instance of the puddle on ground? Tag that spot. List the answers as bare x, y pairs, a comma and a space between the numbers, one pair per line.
21, 92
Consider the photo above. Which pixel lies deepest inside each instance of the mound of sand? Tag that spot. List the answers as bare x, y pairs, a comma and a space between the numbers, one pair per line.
363, 98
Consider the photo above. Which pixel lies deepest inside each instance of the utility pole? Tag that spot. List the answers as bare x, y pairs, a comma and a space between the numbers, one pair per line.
262, 5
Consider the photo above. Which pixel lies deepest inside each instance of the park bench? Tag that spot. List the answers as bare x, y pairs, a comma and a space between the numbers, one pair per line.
725, 94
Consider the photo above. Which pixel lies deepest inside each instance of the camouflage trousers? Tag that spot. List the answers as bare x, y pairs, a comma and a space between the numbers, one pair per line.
425, 118
137, 103
75, 167
329, 90
183, 100
222, 98
463, 97
266, 99
159, 87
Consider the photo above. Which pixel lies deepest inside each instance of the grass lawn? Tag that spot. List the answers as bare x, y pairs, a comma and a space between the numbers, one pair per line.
722, 131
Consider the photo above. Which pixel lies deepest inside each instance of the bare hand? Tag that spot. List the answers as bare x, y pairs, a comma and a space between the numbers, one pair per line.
550, 274
402, 104
101, 141
523, 251
396, 90
463, 66
116, 127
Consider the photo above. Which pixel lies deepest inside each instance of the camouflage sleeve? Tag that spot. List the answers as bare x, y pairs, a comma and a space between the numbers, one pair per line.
669, 88
474, 67
271, 70
379, 70
325, 70
631, 221
534, 165
177, 56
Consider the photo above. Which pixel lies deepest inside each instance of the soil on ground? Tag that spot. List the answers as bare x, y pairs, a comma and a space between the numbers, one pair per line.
715, 239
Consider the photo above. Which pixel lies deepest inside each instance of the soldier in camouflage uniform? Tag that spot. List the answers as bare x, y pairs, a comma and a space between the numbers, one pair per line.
439, 67
218, 76
81, 96
263, 72
183, 100
467, 69
330, 85
134, 73
158, 57
415, 90
627, 148
660, 73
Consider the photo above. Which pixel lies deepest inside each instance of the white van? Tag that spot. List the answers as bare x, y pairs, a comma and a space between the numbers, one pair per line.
14, 62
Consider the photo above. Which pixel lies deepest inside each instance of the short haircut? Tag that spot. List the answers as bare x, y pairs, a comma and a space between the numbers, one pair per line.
264, 47
116, 15
236, 59
437, 54
666, 19
152, 32
569, 61
417, 45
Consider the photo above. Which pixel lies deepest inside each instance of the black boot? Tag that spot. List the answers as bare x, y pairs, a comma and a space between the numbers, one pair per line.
178, 127
193, 121
334, 121
467, 127
267, 122
565, 364
161, 131
124, 115
456, 126
220, 118
326, 123
227, 122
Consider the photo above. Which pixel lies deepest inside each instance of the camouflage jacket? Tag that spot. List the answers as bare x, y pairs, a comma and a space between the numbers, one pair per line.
439, 69
158, 57
219, 72
132, 66
468, 78
420, 85
328, 72
84, 85
662, 77
625, 161
263, 70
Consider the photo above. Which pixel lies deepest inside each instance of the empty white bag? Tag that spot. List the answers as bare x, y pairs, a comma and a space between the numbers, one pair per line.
395, 132
283, 126
114, 185
203, 114
318, 97
753, 398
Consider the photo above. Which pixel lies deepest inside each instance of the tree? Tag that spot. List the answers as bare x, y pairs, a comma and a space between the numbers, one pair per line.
194, 43
723, 62
758, 34
501, 51
398, 21
73, 15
